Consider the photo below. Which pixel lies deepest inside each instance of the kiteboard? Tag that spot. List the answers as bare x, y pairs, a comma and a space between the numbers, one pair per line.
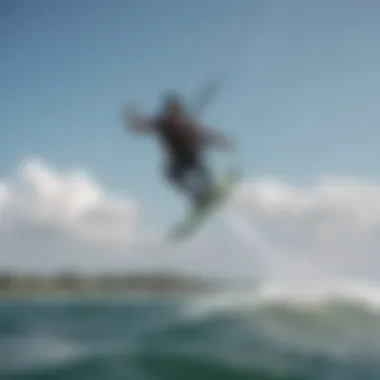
194, 219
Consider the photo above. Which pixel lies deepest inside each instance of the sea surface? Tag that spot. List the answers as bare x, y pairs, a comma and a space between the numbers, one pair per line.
265, 334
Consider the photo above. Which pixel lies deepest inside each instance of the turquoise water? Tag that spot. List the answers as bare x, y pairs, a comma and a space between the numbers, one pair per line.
208, 338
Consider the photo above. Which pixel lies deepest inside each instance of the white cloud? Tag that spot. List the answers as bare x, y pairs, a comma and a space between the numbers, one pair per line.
51, 219
329, 228
37, 197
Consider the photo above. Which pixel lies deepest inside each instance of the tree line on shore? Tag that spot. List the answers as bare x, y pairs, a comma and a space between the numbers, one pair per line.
75, 281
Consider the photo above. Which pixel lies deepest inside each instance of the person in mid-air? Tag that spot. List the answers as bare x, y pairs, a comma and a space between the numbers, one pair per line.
184, 141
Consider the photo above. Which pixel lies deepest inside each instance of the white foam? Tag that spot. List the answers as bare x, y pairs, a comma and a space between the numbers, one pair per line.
297, 295
34, 352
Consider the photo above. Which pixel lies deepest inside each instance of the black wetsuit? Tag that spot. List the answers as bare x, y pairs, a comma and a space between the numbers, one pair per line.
184, 145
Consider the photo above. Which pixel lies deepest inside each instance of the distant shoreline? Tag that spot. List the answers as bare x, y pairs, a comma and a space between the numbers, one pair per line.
93, 296
101, 286
84, 294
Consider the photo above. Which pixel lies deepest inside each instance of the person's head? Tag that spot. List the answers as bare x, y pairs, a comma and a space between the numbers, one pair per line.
172, 105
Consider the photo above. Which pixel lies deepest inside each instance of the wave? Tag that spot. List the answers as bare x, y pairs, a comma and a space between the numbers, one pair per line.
298, 295
270, 332
339, 320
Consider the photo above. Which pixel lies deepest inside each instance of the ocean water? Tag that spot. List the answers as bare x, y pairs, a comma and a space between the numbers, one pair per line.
266, 333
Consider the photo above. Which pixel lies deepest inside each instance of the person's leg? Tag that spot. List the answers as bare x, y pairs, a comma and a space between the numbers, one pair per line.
188, 173
176, 174
203, 189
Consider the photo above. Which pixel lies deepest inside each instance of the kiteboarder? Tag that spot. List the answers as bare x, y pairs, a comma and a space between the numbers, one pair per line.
184, 140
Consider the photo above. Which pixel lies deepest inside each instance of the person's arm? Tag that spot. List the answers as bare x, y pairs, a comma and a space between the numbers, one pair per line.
137, 123
213, 137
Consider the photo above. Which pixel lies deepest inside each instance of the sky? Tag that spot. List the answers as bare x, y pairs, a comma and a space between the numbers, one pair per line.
299, 95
